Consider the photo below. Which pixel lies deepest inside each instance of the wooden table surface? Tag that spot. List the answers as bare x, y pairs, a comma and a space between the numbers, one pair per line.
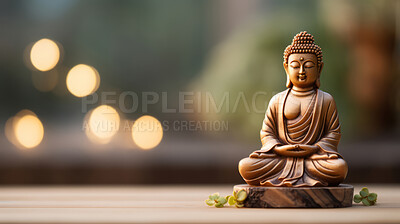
172, 204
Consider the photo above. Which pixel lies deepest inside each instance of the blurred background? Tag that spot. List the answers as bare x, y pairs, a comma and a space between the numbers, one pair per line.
82, 81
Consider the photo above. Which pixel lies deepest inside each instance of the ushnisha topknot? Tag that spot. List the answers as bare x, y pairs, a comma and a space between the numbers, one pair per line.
303, 42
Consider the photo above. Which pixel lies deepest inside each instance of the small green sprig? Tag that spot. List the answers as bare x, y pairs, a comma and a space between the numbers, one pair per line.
237, 198
216, 200
365, 197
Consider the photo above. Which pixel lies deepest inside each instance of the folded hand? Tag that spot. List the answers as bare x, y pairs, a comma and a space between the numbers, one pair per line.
297, 150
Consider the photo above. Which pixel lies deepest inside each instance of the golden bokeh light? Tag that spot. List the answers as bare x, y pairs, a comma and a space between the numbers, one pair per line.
24, 130
147, 132
29, 131
83, 80
45, 55
102, 124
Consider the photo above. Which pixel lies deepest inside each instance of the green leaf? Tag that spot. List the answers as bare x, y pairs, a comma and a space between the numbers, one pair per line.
366, 202
219, 205
239, 205
372, 197
214, 196
222, 200
210, 202
357, 198
241, 196
364, 192
372, 202
232, 200
235, 194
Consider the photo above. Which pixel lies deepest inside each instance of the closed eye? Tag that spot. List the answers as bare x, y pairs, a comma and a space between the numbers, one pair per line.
309, 64
295, 64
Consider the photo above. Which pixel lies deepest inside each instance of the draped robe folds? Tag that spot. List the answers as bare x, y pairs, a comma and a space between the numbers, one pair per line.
318, 126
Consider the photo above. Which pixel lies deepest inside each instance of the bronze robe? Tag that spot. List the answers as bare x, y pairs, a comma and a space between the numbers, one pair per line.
319, 126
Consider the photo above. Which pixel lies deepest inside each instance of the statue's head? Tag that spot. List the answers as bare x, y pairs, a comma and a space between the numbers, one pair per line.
303, 62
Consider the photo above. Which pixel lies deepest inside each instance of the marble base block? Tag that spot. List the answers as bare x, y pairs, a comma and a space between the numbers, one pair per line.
297, 197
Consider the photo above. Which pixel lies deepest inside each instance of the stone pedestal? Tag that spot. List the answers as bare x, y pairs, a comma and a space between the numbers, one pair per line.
297, 197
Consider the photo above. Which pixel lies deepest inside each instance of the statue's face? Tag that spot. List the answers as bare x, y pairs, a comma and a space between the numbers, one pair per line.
302, 69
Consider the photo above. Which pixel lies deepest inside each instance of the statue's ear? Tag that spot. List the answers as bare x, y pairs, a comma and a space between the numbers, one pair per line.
320, 67
285, 66
288, 82
318, 82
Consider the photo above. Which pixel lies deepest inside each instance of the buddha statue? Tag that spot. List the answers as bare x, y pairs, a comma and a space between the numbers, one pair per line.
301, 131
